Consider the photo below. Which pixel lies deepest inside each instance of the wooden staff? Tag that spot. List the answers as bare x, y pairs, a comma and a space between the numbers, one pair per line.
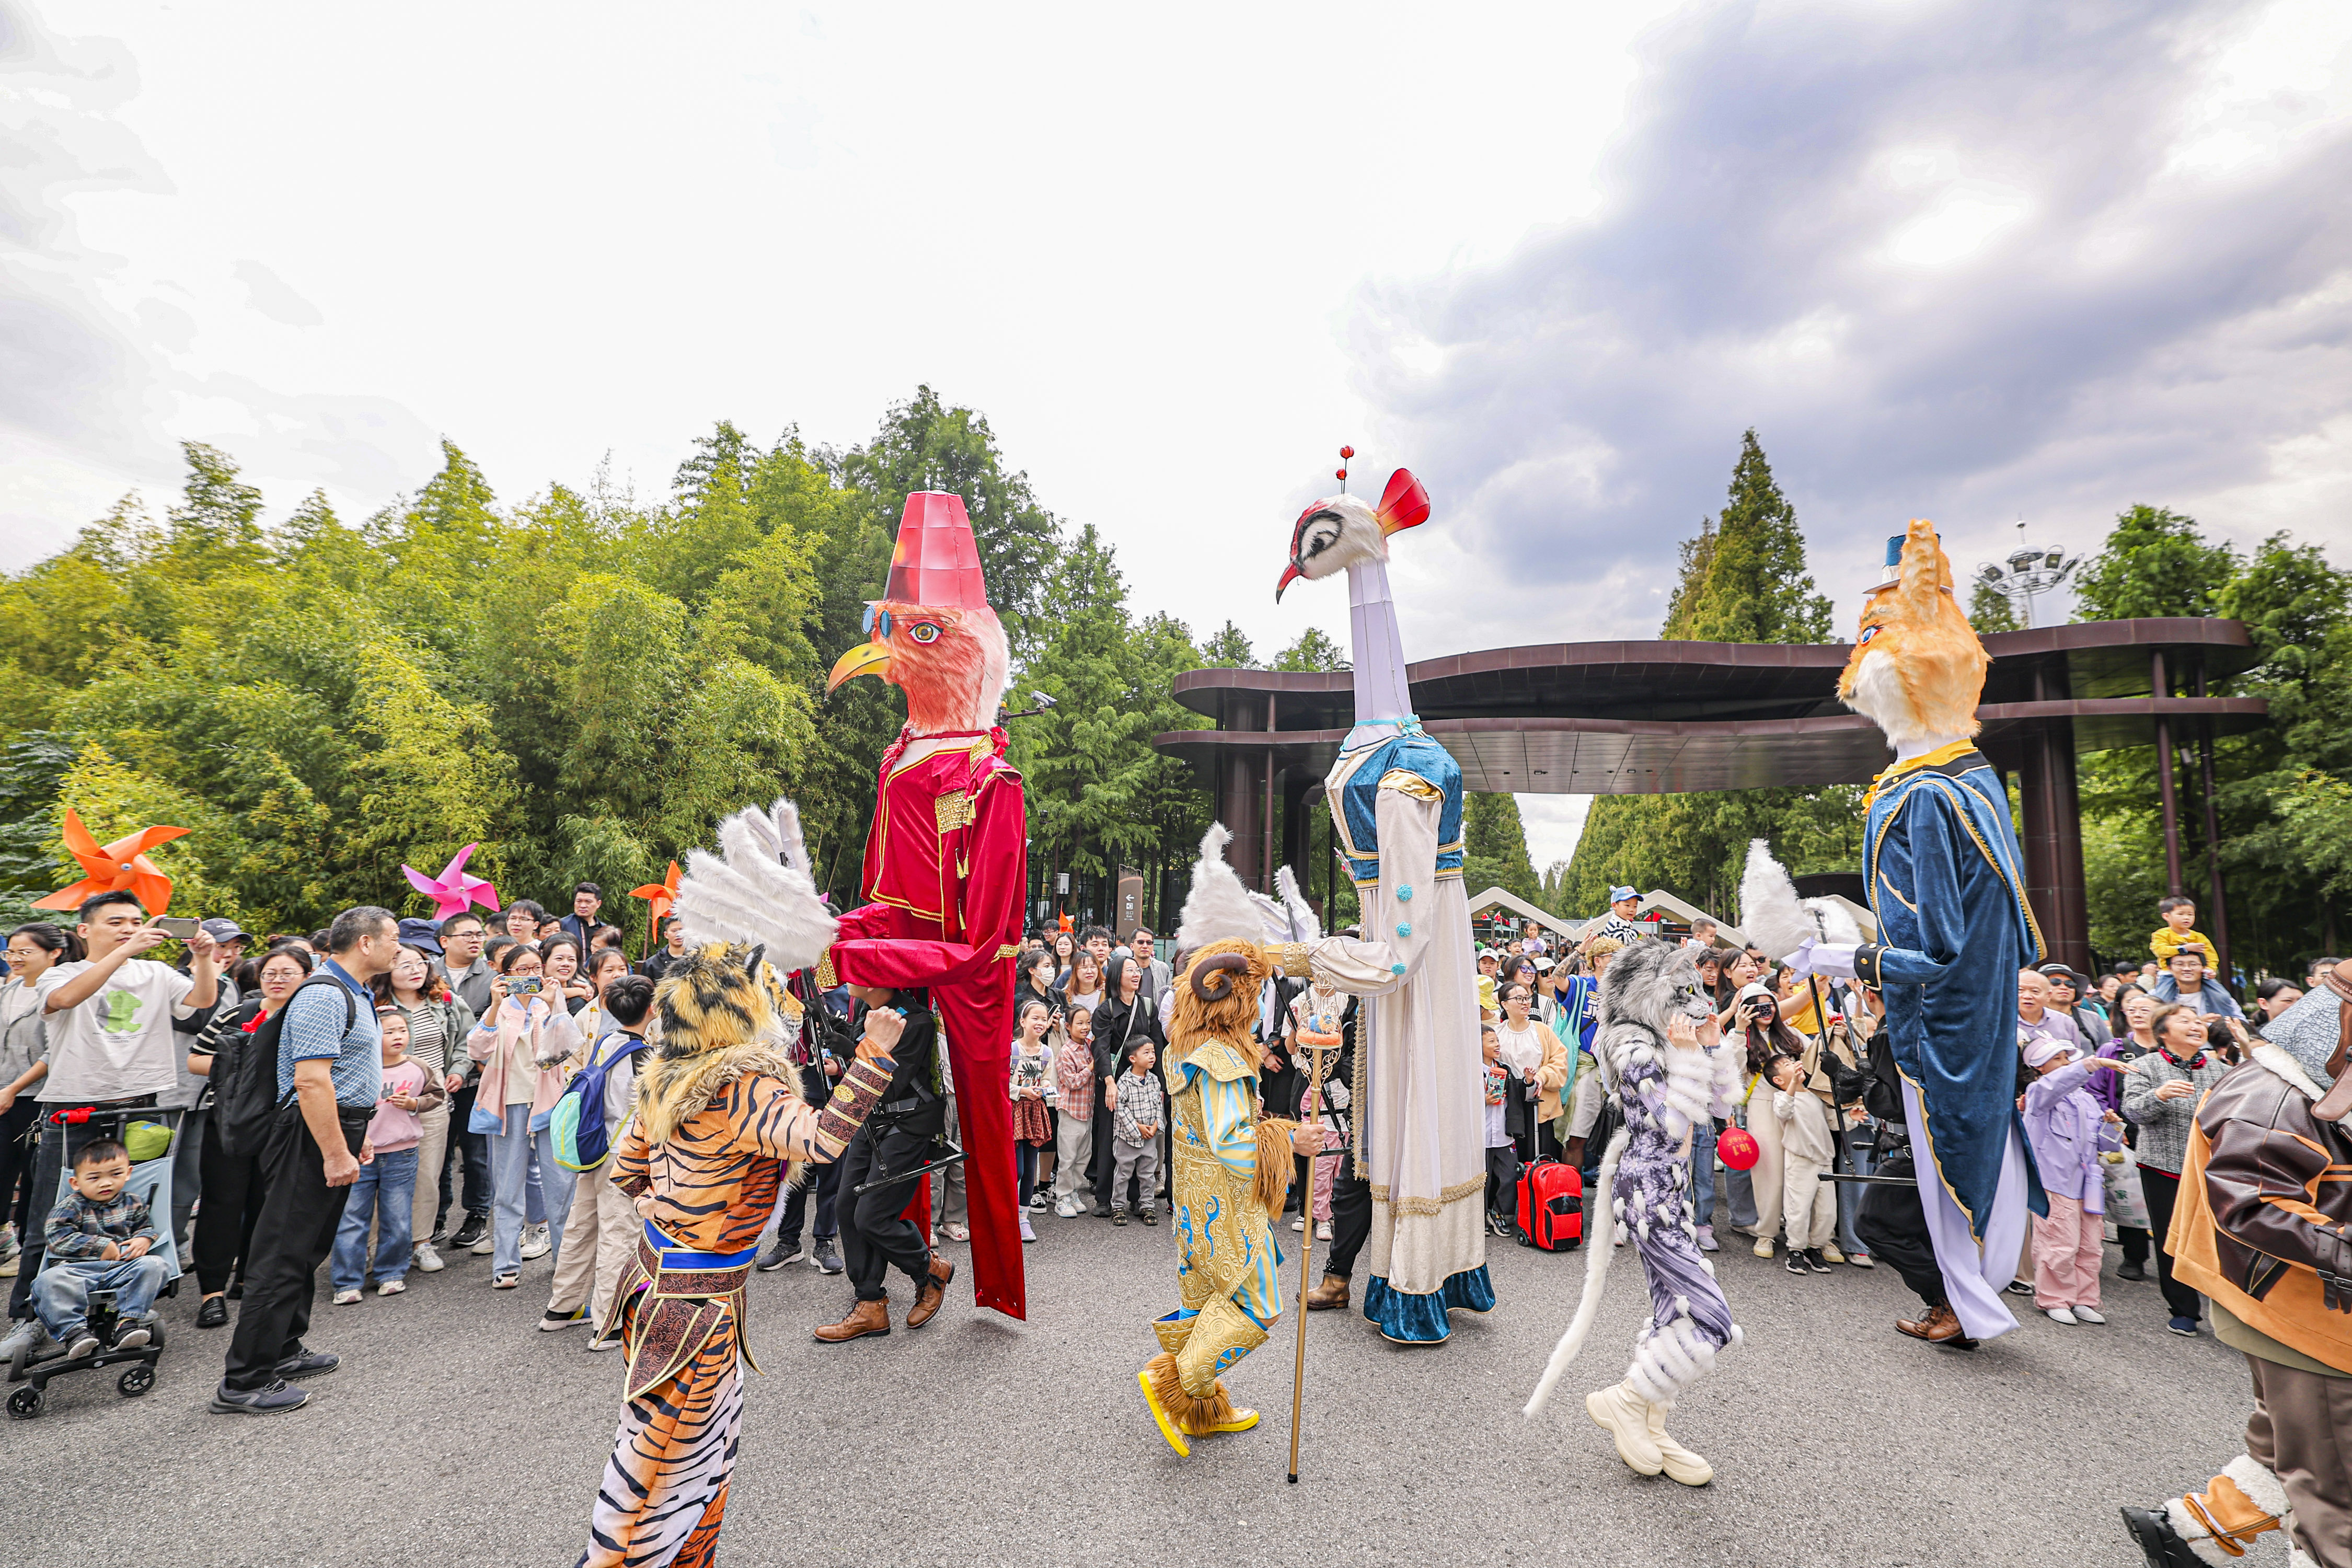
1319, 1048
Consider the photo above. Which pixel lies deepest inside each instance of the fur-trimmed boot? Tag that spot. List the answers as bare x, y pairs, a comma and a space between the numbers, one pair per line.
1182, 1414
1624, 1414
2215, 1525
1678, 1462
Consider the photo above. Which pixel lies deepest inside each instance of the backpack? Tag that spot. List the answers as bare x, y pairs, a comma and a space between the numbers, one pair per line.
245, 1075
1551, 1206
578, 1119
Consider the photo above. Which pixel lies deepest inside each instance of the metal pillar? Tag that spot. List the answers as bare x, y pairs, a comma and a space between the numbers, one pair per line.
1238, 806
2052, 841
2164, 791
2219, 911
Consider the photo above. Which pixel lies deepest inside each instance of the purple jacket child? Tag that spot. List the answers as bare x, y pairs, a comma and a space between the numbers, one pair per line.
2067, 1128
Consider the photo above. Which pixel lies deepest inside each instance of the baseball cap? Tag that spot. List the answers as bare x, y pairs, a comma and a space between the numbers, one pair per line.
1617, 895
223, 930
422, 933
2043, 1048
2057, 971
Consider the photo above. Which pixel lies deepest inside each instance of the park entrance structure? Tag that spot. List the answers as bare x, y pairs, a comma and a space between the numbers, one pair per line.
1647, 718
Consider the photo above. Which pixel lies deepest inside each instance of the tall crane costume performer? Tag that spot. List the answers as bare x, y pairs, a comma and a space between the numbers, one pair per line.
1232, 1166
1396, 807
947, 860
718, 1124
1954, 928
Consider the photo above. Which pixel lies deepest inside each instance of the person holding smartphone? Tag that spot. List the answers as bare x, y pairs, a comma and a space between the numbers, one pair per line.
523, 1042
112, 1045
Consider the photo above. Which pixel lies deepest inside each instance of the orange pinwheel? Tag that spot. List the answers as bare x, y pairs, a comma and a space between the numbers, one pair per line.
660, 895
109, 867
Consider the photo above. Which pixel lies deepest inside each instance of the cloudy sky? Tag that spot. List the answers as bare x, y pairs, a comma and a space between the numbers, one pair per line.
1969, 261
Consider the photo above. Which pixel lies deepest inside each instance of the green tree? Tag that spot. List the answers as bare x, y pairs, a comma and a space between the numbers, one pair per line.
1494, 848
1991, 610
1228, 649
1314, 650
2155, 562
1742, 579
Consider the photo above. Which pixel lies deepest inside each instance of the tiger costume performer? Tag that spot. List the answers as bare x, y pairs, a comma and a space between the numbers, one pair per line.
720, 1127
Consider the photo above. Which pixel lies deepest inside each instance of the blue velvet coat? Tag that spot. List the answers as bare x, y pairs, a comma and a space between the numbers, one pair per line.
1948, 886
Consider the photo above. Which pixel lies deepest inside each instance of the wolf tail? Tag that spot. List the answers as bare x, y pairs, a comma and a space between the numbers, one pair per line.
1599, 1243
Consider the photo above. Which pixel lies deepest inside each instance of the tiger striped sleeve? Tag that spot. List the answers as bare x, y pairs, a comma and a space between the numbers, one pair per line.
632, 1161
783, 1127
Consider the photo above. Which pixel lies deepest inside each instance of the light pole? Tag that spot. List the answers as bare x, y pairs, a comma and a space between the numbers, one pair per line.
2030, 572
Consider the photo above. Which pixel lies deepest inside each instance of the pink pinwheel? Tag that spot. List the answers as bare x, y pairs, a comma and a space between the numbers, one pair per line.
454, 890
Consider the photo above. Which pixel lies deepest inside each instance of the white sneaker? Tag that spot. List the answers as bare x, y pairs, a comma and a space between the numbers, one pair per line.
2063, 1315
534, 1241
2087, 1315
1298, 1223
347, 1297
1068, 1207
426, 1259
488, 1245
1322, 1230
1763, 1246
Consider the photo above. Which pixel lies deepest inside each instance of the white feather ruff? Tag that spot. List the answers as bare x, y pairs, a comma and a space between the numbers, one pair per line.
1775, 922
757, 889
1218, 909
1598, 1246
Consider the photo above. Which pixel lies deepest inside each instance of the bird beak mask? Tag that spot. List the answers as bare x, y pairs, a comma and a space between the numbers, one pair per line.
1404, 504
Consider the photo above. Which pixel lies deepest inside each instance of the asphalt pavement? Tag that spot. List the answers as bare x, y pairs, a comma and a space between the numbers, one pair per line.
454, 1433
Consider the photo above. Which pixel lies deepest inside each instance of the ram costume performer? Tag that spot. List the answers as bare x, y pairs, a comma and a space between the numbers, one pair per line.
719, 1122
1396, 807
1954, 928
947, 858
2262, 1228
1656, 1044
1231, 1167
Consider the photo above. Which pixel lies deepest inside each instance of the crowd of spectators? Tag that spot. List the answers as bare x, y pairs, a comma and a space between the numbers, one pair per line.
417, 1065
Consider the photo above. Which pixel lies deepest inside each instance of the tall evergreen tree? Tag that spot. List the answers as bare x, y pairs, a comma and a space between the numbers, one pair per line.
1229, 649
1742, 579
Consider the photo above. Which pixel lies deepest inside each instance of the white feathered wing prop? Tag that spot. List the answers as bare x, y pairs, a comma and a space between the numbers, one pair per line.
758, 889
1768, 910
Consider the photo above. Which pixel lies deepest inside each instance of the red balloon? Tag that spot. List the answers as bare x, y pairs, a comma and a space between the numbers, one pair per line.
1738, 1147
1347, 451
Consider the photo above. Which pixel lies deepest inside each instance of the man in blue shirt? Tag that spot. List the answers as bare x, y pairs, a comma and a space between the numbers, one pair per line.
2186, 979
329, 1072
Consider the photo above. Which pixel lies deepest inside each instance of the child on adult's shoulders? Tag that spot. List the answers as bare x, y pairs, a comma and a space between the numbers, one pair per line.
2178, 930
99, 1238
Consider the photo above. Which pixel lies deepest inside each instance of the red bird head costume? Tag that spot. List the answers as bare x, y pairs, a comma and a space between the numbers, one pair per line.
946, 874
931, 634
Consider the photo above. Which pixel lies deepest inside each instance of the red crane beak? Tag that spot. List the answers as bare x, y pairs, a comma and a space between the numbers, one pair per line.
1290, 574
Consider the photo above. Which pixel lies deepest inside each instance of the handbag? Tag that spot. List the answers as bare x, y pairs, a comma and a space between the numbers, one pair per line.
2127, 1203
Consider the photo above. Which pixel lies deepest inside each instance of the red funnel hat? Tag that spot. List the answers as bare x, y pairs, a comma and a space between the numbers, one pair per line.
937, 562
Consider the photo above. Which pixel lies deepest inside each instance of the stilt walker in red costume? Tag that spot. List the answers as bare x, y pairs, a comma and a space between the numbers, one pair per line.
945, 880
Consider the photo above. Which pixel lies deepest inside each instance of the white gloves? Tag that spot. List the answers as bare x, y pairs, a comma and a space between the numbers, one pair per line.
1832, 959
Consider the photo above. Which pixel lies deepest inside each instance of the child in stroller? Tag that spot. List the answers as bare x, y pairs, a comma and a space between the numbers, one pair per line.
103, 1238
105, 1262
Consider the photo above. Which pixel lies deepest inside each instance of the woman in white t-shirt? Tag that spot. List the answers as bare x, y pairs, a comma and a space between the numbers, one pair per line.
1085, 988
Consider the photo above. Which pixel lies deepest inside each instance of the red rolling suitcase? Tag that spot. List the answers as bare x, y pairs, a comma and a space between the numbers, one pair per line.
1551, 1206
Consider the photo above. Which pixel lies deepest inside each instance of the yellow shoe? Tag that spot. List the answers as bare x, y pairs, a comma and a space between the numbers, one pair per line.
1167, 1424
1242, 1422
1830, 1253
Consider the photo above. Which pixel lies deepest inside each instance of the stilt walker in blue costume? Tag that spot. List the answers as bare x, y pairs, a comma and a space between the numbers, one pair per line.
1945, 882
1396, 803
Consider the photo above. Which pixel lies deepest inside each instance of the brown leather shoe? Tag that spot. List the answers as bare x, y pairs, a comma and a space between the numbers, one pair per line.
1939, 1327
866, 1318
1330, 1295
930, 1293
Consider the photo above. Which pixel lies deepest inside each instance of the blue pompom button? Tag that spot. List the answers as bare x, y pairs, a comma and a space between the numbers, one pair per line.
1405, 928
1396, 969
1404, 895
